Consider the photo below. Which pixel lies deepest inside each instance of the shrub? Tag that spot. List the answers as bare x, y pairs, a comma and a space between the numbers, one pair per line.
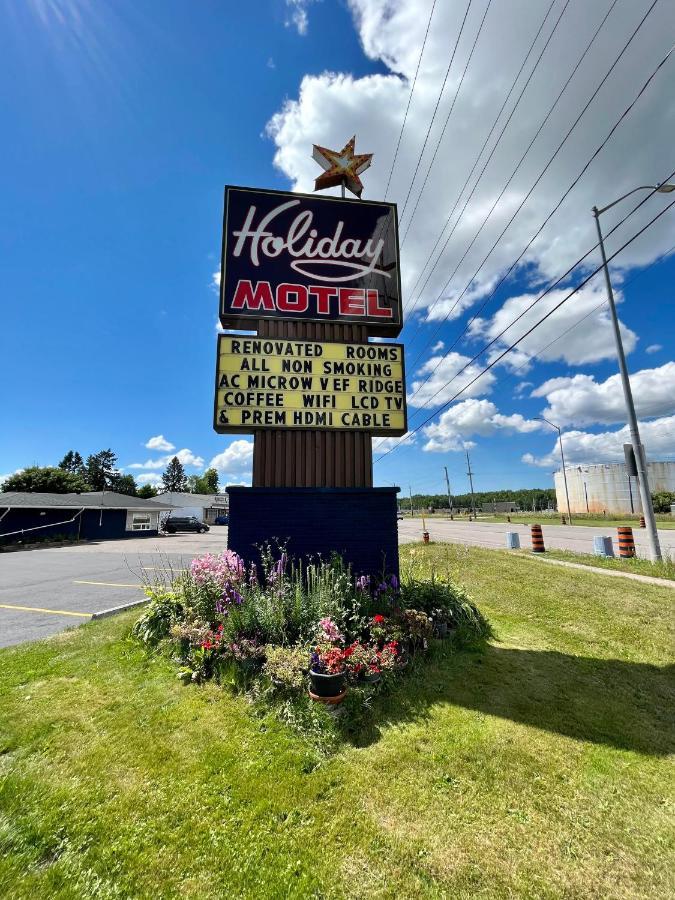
444, 601
286, 666
164, 609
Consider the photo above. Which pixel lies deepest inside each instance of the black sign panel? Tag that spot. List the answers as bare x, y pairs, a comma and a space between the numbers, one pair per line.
304, 257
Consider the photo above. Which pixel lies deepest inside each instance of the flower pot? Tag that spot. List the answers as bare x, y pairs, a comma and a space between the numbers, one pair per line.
327, 686
372, 677
441, 629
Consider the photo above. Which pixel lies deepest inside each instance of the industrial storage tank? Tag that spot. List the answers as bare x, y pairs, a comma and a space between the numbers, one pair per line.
607, 488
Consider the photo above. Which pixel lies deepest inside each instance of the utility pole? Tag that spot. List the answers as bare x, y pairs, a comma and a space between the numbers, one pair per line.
411, 506
470, 474
447, 482
640, 458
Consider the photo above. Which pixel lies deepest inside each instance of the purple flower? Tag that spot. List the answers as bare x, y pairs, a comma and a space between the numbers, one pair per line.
363, 583
231, 595
393, 581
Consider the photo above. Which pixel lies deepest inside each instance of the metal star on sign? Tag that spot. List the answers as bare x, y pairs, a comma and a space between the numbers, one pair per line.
341, 168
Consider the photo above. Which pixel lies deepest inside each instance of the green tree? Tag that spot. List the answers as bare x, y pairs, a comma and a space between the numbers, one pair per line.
125, 484
173, 477
203, 484
662, 501
45, 479
72, 462
146, 491
101, 471
210, 479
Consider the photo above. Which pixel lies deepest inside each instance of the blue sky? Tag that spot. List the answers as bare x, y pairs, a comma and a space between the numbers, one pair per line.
123, 121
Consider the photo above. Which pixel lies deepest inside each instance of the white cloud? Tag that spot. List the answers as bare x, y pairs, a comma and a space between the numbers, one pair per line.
270, 63
470, 418
654, 348
438, 346
581, 400
297, 15
590, 342
148, 478
381, 445
658, 437
215, 281
237, 457
332, 106
185, 456
159, 442
439, 387
521, 387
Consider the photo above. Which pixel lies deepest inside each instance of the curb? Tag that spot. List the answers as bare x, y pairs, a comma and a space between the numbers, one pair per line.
104, 613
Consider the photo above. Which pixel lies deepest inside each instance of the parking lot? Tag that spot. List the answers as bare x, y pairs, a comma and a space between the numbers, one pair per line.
44, 591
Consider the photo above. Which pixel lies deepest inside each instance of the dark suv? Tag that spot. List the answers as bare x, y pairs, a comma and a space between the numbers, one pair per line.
186, 523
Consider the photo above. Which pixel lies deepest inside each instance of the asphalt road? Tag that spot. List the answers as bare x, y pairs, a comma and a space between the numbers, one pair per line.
493, 534
44, 591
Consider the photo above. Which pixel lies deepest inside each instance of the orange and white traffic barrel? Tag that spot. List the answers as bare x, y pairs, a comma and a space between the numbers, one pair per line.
626, 542
537, 539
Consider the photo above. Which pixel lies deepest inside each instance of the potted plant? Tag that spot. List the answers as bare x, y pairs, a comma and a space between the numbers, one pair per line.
327, 674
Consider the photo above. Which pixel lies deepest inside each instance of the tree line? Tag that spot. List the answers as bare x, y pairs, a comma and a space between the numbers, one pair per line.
99, 472
525, 498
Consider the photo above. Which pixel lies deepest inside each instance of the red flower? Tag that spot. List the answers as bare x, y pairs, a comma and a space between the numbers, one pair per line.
378, 619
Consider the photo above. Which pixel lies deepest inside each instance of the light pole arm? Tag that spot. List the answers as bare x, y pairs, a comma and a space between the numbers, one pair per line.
644, 187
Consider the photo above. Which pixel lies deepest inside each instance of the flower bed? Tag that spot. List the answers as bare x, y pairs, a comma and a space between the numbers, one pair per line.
290, 635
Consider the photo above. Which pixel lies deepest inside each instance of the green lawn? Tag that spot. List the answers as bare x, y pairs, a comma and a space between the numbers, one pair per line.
536, 768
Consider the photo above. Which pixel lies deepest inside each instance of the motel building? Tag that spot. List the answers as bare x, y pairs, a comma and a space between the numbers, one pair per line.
205, 507
92, 515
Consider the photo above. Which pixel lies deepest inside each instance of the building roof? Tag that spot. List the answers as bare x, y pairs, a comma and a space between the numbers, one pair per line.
180, 498
86, 500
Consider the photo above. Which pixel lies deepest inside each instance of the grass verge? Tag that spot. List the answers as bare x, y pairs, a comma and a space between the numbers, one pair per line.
537, 767
638, 566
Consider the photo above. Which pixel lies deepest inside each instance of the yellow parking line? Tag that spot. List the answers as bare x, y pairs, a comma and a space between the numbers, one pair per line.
109, 584
53, 612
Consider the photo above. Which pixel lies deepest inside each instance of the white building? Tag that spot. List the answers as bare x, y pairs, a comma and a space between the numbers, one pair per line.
204, 507
608, 488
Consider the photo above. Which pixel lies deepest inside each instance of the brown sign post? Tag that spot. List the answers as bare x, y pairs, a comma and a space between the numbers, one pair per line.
315, 277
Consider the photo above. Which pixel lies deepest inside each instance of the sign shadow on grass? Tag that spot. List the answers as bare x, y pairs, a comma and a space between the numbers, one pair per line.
627, 705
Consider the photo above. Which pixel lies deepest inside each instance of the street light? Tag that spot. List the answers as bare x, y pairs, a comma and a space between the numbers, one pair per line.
562, 457
640, 459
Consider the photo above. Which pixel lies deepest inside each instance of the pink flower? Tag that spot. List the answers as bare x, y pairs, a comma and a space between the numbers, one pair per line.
329, 630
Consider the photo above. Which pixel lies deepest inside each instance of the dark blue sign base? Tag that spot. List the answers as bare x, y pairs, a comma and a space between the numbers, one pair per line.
358, 523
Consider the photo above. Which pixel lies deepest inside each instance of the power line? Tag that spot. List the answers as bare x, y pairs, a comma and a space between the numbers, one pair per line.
410, 96
519, 163
529, 331
433, 117
589, 314
485, 143
550, 215
445, 124
548, 289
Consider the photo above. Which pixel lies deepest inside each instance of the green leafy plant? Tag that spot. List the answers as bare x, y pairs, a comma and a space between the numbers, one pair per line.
159, 615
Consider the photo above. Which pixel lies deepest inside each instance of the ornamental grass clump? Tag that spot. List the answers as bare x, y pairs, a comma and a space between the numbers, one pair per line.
285, 632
